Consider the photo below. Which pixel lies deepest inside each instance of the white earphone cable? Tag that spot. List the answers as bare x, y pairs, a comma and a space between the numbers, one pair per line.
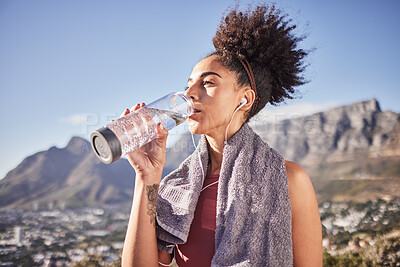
244, 101
204, 188
198, 152
162, 264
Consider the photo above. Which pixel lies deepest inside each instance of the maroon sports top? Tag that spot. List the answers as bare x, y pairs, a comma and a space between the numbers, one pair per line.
199, 249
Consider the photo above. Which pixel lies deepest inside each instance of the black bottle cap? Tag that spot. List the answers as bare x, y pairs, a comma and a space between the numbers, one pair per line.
106, 145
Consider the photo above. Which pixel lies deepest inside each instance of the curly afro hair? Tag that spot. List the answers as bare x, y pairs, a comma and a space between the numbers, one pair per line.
264, 38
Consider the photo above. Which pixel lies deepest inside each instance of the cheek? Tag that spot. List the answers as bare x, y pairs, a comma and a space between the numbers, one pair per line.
223, 107
218, 115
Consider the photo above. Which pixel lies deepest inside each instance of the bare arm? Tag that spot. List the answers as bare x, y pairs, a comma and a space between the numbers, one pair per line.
306, 223
140, 246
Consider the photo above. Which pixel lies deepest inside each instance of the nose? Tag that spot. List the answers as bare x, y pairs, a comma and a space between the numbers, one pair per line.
191, 92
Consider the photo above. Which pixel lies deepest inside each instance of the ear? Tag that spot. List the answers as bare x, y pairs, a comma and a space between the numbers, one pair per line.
250, 97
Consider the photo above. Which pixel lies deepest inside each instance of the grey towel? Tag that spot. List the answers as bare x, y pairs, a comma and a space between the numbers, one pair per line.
253, 206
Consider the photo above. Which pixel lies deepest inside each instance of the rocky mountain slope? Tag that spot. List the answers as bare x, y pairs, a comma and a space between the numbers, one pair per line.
336, 135
350, 152
72, 176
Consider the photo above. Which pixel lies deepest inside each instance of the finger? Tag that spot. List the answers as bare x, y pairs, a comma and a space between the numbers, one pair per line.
162, 133
135, 107
126, 112
147, 117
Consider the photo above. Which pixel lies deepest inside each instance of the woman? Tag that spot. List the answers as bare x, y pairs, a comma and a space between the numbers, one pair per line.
235, 201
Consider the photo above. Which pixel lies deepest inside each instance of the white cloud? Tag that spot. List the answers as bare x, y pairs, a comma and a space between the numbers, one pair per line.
275, 114
88, 122
74, 120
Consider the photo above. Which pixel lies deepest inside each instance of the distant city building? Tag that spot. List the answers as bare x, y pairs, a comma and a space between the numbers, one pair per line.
19, 235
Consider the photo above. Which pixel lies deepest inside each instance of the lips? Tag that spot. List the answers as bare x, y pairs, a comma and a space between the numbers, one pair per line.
196, 109
195, 112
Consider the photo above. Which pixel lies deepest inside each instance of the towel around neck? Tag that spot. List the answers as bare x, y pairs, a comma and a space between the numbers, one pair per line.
253, 207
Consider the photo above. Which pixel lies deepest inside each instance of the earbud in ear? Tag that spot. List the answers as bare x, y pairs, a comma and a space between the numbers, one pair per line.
242, 103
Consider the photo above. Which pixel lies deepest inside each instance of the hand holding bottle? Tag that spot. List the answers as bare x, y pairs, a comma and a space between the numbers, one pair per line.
137, 127
149, 158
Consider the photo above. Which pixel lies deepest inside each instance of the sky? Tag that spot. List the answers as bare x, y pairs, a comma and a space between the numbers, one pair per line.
68, 67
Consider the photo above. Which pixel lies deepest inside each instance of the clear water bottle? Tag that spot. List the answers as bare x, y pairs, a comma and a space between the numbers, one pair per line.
126, 134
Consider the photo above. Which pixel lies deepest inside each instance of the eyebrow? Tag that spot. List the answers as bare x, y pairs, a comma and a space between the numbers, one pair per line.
206, 74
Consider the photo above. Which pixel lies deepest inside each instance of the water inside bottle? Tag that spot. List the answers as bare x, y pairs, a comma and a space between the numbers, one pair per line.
138, 128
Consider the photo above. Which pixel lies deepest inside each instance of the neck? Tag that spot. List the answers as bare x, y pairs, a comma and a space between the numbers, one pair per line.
215, 150
216, 147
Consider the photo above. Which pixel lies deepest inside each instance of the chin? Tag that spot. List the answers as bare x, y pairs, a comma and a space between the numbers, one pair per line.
194, 127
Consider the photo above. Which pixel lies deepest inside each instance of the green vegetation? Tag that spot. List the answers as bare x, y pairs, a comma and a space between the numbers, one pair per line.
97, 261
385, 253
348, 260
361, 233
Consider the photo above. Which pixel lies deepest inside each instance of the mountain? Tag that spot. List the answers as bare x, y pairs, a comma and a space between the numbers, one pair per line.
351, 153
71, 176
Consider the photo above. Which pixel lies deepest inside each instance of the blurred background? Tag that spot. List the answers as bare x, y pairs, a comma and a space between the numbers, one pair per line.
69, 67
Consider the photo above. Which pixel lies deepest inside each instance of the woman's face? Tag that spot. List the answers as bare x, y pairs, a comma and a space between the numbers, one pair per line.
213, 90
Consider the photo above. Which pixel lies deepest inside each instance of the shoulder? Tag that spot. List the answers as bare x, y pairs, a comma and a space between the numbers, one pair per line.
301, 190
294, 170
297, 176
306, 224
